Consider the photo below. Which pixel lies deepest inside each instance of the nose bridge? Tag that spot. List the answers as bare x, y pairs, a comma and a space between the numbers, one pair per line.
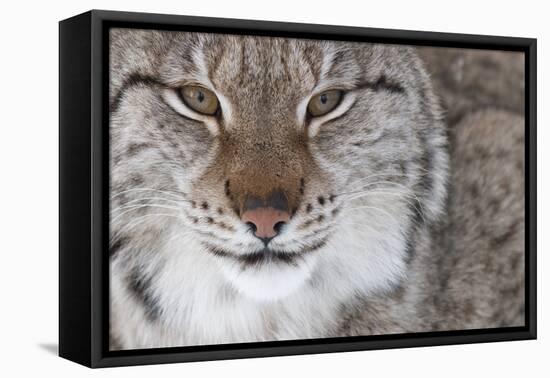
276, 200
265, 166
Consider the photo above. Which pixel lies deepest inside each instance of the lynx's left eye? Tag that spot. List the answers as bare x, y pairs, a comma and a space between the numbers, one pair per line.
199, 99
324, 102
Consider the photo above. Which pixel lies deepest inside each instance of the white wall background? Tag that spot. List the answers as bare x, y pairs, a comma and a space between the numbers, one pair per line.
29, 189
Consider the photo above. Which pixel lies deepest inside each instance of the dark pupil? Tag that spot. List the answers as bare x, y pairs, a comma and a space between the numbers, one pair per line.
200, 96
323, 99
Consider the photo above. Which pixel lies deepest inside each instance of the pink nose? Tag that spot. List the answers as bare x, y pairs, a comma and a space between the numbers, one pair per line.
266, 222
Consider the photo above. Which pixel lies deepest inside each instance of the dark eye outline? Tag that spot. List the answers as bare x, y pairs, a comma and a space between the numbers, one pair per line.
338, 103
215, 113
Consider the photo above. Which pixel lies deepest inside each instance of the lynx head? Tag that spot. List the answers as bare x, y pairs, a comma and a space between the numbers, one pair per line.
278, 158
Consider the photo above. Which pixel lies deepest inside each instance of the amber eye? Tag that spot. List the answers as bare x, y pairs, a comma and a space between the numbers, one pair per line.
199, 99
324, 102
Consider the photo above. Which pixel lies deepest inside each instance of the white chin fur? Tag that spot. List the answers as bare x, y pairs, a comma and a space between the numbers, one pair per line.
269, 282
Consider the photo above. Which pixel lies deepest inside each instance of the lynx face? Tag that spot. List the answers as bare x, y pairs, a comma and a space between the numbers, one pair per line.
275, 159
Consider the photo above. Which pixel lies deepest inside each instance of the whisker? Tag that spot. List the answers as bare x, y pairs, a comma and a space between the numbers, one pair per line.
136, 207
396, 174
375, 208
179, 202
144, 206
405, 196
372, 184
359, 193
307, 237
408, 192
393, 174
167, 192
141, 219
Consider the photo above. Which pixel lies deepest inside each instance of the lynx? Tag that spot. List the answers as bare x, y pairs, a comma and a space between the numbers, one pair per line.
273, 189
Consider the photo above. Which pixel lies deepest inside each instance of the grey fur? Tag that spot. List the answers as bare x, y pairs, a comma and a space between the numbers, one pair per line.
452, 226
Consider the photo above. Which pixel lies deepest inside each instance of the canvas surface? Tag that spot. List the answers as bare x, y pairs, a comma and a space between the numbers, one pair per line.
276, 189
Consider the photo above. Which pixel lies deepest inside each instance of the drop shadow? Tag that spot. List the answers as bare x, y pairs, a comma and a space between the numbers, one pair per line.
51, 348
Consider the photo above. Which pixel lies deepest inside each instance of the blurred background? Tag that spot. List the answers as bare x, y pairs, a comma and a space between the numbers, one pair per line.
467, 80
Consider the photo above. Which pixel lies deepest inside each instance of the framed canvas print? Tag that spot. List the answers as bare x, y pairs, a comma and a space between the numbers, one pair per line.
234, 188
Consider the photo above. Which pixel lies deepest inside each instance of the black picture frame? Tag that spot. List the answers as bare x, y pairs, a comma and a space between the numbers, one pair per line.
83, 195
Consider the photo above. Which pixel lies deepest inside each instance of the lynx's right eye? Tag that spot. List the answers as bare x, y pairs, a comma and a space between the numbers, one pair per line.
199, 99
